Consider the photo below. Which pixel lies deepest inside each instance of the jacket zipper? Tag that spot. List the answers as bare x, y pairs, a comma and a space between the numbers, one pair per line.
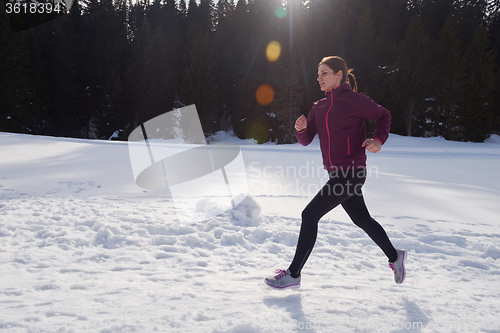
328, 131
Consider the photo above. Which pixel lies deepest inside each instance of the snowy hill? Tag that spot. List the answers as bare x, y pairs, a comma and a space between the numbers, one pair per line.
83, 249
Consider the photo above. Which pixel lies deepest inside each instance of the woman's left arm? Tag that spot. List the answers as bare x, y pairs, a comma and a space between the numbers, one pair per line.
371, 110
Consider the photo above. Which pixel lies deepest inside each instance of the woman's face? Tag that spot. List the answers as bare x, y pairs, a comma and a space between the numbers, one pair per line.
327, 79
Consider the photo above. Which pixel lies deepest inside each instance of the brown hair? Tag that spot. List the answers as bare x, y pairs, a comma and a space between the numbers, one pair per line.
338, 64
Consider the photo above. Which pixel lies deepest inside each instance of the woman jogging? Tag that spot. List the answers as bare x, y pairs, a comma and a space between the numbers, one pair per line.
339, 121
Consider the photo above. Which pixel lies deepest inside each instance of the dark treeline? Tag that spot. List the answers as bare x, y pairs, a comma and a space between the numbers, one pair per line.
108, 65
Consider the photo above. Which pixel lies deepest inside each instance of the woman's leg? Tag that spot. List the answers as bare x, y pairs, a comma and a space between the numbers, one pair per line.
333, 193
356, 209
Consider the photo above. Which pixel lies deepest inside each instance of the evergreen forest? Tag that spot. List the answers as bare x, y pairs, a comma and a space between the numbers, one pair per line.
103, 67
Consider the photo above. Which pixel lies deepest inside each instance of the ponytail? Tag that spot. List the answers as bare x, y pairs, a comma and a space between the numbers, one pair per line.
352, 81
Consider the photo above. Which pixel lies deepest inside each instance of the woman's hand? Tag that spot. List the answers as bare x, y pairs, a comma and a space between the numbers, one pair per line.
372, 145
301, 123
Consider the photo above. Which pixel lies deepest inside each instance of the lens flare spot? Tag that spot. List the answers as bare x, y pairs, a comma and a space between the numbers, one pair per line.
264, 94
280, 12
258, 132
273, 51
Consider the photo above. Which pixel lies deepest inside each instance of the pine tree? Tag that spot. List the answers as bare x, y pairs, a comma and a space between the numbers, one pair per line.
249, 119
155, 15
242, 99
59, 51
494, 33
467, 16
327, 15
413, 76
182, 7
365, 55
41, 88
449, 83
224, 10
112, 121
226, 41
102, 45
496, 105
192, 20
288, 97
390, 21
477, 99
144, 74
206, 11
200, 83
16, 85
434, 15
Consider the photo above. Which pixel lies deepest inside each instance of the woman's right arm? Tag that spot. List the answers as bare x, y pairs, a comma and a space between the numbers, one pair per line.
305, 129
301, 123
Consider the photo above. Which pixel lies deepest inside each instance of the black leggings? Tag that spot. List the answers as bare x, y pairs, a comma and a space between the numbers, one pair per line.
344, 187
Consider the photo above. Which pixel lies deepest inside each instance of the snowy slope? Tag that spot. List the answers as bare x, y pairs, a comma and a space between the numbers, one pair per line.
83, 249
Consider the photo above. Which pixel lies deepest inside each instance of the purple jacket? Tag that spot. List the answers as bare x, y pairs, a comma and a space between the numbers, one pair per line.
339, 121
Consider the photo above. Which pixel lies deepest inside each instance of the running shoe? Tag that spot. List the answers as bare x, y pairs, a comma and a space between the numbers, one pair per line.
399, 267
282, 280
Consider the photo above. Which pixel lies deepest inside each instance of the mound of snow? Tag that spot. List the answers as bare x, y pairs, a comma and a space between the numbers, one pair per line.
246, 213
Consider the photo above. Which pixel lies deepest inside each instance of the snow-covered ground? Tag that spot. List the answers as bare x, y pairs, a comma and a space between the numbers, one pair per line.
83, 249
